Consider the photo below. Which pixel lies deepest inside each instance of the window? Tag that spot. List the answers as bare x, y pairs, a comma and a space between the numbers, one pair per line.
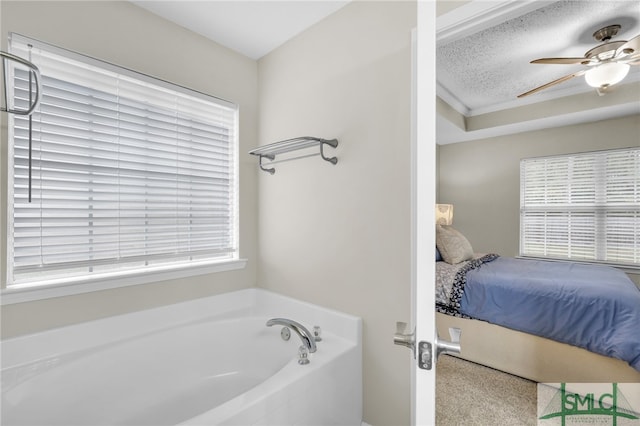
129, 174
582, 207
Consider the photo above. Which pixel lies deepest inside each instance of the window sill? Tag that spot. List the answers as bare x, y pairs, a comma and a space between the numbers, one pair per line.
29, 294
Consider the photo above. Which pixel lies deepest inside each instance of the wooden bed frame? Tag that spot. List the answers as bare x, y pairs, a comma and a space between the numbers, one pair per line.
532, 357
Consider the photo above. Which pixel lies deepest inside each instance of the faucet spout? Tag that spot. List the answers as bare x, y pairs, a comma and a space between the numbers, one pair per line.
305, 335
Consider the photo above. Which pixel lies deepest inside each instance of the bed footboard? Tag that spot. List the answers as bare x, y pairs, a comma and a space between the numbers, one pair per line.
533, 357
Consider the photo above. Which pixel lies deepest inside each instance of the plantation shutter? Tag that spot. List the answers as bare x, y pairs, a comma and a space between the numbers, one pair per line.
582, 207
128, 172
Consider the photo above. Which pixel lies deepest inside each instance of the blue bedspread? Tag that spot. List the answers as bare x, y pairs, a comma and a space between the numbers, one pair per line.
593, 307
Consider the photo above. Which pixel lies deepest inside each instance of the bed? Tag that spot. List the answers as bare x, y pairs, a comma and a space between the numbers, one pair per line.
543, 320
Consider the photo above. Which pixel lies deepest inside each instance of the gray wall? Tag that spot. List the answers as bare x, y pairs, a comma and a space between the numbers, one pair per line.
482, 178
339, 235
129, 36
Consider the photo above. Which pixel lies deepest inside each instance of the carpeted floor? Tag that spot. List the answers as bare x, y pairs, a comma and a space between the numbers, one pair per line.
471, 394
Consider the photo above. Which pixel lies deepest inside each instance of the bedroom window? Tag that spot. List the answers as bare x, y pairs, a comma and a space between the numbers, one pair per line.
582, 207
130, 174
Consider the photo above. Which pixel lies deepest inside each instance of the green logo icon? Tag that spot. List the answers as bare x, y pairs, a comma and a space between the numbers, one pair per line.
565, 404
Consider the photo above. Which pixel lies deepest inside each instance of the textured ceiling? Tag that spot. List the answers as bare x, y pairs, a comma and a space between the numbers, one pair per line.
486, 70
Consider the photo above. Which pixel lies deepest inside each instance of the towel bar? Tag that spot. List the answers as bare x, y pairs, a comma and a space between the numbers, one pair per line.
272, 150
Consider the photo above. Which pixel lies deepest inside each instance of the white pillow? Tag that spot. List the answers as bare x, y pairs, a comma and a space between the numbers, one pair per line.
453, 246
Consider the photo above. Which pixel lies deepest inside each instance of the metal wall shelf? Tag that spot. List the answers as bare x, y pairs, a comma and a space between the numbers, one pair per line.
272, 150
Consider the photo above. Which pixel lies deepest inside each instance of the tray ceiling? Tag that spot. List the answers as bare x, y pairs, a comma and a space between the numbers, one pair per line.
483, 54
487, 69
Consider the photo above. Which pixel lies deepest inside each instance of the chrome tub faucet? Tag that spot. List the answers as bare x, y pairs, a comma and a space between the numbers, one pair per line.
305, 335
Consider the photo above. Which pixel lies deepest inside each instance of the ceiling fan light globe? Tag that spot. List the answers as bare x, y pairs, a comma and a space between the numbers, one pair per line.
606, 74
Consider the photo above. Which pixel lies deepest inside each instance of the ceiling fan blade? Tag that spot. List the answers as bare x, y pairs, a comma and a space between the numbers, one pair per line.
631, 59
568, 61
553, 83
632, 46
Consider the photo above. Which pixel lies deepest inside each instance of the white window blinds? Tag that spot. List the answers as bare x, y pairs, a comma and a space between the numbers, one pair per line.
129, 173
582, 207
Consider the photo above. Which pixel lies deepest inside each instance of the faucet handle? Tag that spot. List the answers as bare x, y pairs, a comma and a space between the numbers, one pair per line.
317, 333
303, 355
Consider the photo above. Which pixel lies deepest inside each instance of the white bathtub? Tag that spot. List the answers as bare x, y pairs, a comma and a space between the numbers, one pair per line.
206, 362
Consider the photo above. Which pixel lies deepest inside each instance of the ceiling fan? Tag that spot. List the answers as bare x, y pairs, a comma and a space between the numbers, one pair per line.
607, 63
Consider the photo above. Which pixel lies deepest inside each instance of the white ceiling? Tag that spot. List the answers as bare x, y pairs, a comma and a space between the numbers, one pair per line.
483, 52
251, 27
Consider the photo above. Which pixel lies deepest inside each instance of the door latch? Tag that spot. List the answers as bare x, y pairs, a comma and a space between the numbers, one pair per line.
425, 355
425, 349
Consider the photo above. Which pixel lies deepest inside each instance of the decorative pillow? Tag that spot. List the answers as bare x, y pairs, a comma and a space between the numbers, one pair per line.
438, 255
453, 246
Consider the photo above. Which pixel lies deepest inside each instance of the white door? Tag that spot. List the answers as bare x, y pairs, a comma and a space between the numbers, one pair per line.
423, 191
423, 211
421, 336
